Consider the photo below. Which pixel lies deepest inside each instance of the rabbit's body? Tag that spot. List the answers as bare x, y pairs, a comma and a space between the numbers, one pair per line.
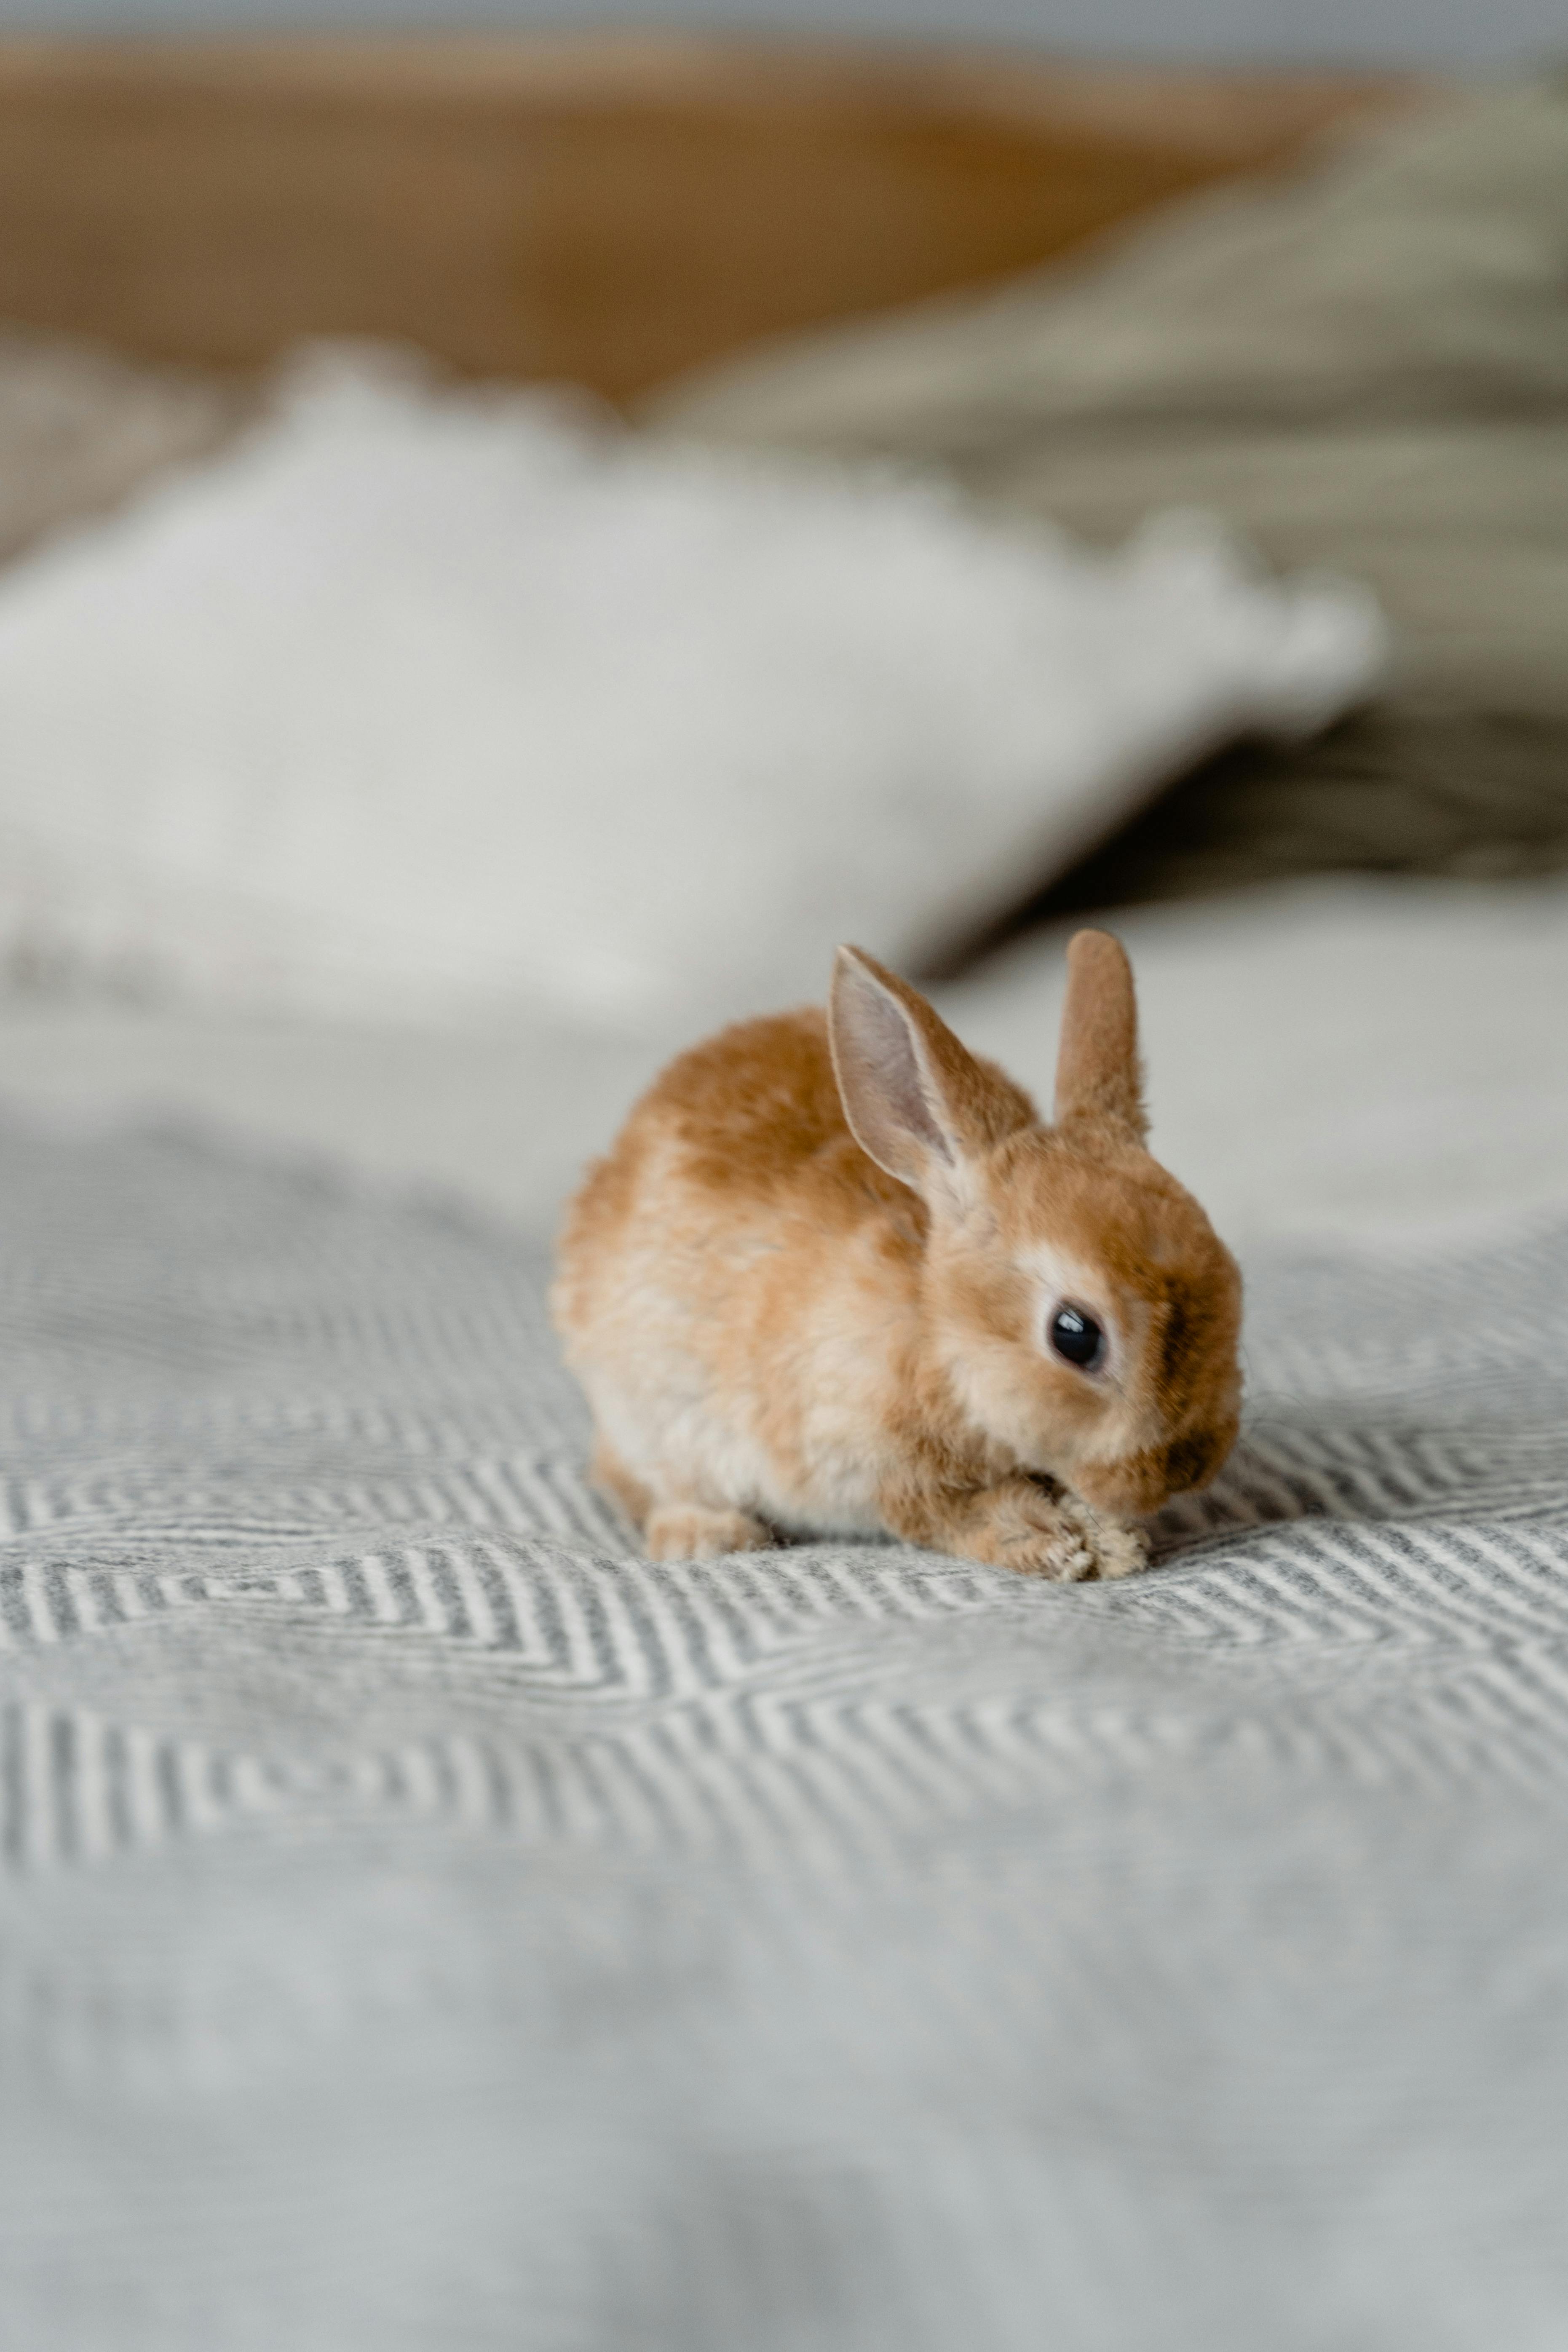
777, 1332
739, 1227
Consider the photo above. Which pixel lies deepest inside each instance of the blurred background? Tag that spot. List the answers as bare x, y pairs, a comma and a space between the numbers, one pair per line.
1291, 277
1315, 31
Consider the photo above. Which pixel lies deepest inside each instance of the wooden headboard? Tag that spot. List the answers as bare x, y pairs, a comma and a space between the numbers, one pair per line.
611, 210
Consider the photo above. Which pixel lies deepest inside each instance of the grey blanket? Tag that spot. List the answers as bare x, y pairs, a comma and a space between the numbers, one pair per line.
425, 1925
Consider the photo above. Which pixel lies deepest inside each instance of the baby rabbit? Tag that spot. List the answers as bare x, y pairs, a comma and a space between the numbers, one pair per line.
835, 1277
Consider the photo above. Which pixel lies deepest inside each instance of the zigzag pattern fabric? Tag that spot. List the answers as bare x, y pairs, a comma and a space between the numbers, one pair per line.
424, 1926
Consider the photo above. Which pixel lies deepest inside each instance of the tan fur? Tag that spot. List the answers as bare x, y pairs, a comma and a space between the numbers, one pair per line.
775, 1332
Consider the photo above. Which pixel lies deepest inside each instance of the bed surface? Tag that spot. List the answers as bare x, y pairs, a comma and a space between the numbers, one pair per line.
428, 1924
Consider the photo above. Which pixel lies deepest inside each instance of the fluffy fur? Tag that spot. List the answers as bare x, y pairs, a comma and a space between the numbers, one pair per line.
810, 1290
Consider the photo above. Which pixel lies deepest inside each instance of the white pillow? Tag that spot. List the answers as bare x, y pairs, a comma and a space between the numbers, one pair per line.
432, 701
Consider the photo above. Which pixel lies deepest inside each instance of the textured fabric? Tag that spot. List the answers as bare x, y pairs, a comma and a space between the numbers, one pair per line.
424, 1925
1472, 795
1363, 365
1345, 1061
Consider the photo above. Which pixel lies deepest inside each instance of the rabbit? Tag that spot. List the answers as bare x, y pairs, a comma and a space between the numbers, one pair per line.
836, 1278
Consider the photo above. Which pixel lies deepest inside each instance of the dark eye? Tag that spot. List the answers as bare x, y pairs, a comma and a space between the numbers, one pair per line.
1077, 1336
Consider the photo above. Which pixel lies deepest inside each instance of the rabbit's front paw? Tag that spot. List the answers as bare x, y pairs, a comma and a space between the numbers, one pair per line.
1037, 1532
1115, 1548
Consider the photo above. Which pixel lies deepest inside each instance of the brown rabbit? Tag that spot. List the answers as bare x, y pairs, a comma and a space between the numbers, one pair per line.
836, 1276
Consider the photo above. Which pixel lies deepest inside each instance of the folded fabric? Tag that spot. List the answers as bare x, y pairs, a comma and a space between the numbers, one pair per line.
1362, 366
444, 700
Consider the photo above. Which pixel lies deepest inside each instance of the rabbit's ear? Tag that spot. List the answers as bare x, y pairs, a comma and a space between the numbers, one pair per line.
1099, 1076
917, 1101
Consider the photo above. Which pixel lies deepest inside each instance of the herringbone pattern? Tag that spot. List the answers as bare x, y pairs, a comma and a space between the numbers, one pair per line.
429, 1926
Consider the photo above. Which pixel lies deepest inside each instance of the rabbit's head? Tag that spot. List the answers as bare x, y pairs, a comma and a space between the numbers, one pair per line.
1078, 1301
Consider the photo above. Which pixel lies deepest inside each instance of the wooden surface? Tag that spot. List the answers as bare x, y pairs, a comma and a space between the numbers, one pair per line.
612, 211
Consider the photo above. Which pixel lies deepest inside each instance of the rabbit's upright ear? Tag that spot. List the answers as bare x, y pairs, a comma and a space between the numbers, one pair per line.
917, 1101
1098, 1075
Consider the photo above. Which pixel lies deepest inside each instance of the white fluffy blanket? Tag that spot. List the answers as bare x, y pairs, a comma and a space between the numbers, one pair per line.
454, 700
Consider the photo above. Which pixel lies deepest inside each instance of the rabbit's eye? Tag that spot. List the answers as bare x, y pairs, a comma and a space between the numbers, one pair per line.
1077, 1336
